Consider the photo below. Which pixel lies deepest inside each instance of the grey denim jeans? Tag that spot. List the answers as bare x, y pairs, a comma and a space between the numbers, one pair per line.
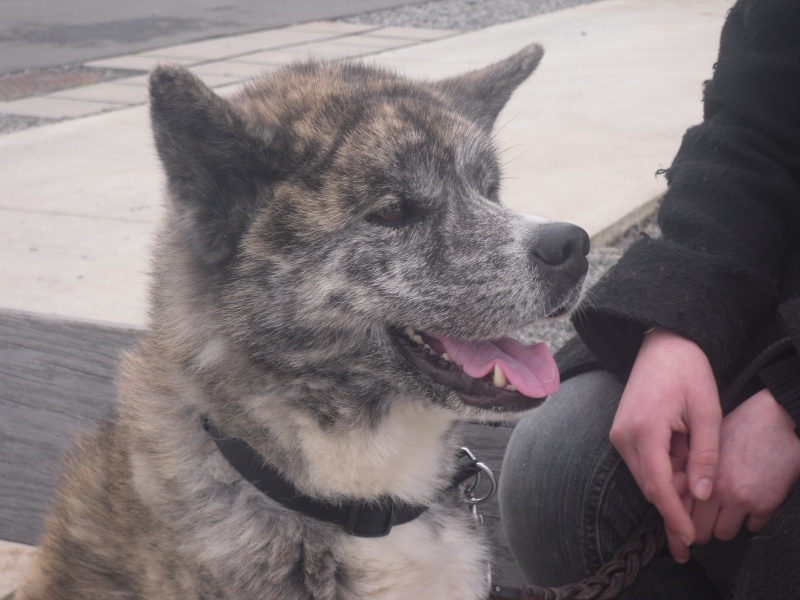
568, 501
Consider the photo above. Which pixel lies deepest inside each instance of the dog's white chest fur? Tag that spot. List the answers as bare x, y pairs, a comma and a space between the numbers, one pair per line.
419, 562
439, 555
404, 457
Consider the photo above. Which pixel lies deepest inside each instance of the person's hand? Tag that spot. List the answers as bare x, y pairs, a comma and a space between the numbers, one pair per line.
671, 393
759, 464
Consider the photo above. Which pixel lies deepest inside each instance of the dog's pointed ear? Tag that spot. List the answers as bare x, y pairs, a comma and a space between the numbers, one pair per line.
483, 93
212, 164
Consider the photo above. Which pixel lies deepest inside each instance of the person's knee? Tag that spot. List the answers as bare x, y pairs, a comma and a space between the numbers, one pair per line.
551, 443
547, 474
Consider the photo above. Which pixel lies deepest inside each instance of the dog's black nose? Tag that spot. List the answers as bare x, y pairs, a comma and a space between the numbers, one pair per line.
563, 246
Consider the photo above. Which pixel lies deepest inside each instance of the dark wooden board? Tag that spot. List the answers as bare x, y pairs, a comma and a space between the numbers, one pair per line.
57, 378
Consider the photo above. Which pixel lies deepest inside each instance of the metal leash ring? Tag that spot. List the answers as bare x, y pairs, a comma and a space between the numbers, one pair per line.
469, 490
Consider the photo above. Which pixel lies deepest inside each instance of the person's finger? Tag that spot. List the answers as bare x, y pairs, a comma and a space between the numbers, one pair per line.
679, 457
755, 523
679, 550
705, 419
704, 517
729, 522
679, 446
656, 474
681, 484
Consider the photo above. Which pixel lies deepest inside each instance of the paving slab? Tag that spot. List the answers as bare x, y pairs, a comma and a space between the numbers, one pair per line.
331, 49
136, 62
113, 93
135, 80
412, 33
290, 36
335, 27
236, 70
53, 108
72, 265
214, 49
270, 58
79, 221
369, 41
103, 167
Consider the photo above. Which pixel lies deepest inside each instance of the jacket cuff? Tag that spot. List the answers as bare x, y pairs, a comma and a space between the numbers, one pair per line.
782, 379
704, 297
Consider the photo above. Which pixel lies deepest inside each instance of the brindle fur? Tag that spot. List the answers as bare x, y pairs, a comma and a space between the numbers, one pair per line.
272, 291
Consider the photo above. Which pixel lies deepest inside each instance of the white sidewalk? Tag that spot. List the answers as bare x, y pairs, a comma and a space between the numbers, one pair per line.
620, 82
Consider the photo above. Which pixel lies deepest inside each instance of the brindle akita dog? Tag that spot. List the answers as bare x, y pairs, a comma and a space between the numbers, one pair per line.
331, 289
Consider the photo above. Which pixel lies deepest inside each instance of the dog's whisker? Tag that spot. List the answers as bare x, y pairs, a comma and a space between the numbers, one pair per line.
498, 130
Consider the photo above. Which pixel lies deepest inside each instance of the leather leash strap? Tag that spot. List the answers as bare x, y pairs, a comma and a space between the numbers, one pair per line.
646, 541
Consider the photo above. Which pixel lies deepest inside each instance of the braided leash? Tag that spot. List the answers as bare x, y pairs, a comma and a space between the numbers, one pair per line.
646, 541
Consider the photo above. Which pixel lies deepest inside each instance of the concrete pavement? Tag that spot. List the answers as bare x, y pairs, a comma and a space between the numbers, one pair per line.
620, 82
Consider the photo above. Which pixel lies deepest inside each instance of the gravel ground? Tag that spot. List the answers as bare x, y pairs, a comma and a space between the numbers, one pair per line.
462, 15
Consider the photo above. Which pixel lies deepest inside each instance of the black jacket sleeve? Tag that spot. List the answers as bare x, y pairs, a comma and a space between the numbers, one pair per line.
782, 378
731, 216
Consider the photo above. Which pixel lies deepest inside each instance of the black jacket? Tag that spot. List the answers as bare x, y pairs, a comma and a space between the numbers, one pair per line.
726, 272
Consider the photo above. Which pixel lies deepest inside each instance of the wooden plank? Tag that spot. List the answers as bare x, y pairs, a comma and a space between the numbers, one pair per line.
57, 378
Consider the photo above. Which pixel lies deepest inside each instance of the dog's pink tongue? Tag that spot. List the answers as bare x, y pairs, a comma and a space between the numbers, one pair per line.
530, 369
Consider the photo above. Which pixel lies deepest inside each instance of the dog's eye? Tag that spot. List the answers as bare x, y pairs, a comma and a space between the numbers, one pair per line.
391, 216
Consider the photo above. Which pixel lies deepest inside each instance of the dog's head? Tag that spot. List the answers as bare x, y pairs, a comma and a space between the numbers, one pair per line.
344, 225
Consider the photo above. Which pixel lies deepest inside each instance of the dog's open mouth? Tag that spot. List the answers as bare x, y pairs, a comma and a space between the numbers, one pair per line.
500, 375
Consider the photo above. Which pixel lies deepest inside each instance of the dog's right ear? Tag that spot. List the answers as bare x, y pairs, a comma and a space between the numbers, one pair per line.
482, 94
213, 165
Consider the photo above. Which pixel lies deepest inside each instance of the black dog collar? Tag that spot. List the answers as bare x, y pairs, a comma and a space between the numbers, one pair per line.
362, 519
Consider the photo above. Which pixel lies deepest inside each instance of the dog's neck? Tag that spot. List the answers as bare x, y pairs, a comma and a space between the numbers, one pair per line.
354, 436
407, 455
355, 516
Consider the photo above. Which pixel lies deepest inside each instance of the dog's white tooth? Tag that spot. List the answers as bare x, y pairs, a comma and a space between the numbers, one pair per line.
409, 331
429, 349
510, 387
446, 357
417, 339
499, 378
